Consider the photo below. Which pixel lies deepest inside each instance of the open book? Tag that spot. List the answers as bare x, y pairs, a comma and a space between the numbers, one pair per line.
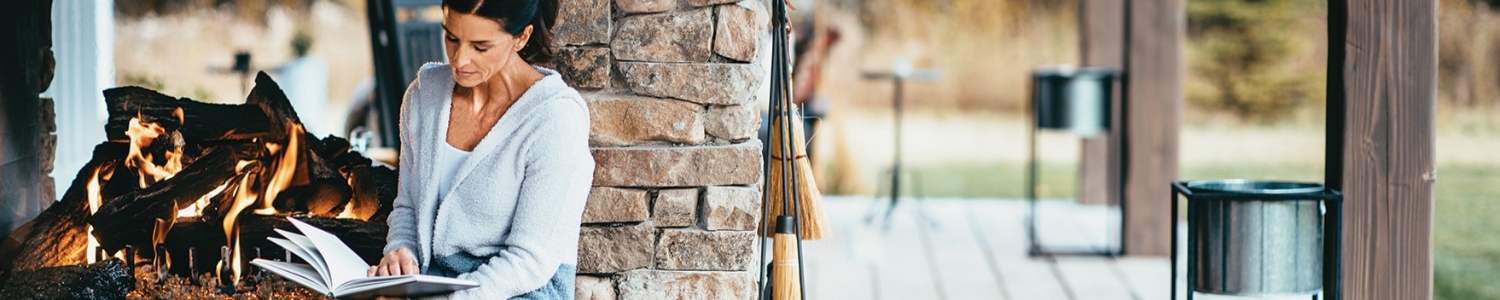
336, 271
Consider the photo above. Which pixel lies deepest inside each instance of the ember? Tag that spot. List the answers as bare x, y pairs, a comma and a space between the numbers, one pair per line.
191, 178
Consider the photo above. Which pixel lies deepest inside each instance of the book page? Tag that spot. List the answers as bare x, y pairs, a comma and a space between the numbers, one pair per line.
308, 252
343, 264
299, 273
402, 286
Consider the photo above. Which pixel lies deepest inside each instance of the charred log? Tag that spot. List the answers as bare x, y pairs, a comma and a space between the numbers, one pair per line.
267, 95
206, 236
56, 236
108, 279
130, 218
200, 121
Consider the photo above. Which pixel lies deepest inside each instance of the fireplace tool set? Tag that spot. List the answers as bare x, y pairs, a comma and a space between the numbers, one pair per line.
790, 194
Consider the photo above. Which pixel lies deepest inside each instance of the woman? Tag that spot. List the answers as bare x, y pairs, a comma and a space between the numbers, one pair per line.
495, 166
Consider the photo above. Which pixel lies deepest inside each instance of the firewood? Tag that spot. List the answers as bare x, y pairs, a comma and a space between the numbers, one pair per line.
108, 279
327, 191
56, 236
267, 95
200, 121
366, 196
206, 235
130, 218
385, 183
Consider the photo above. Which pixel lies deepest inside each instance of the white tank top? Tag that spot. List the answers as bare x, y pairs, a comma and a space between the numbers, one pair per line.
448, 161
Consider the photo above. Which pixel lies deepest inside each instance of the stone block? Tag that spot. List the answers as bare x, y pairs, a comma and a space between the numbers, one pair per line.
603, 250
49, 152
731, 208
689, 249
48, 191
582, 22
702, 3
717, 84
630, 120
670, 37
616, 205
659, 166
47, 111
675, 208
735, 123
651, 284
583, 67
738, 30
593, 288
645, 6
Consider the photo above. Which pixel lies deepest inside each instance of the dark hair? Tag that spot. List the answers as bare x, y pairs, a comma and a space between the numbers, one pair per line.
513, 16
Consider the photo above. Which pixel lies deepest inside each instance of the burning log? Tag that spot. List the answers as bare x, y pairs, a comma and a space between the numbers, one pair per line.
107, 279
129, 218
198, 121
56, 236
321, 190
267, 95
199, 178
366, 238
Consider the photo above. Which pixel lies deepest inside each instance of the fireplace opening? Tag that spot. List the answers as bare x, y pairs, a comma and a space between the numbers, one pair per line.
182, 195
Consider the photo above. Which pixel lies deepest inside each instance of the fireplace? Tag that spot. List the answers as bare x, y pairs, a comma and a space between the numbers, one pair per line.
183, 194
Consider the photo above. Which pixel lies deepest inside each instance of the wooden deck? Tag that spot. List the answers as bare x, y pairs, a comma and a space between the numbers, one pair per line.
973, 249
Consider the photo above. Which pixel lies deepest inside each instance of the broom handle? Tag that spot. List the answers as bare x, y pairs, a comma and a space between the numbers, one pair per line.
777, 65
790, 139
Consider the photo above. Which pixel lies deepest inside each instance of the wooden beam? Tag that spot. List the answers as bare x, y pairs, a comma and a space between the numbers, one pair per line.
1103, 40
1153, 112
1389, 82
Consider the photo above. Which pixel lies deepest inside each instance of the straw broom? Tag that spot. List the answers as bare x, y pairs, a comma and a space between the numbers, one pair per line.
789, 194
809, 199
784, 269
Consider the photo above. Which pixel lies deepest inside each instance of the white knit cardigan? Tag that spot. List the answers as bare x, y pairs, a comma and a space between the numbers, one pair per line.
517, 201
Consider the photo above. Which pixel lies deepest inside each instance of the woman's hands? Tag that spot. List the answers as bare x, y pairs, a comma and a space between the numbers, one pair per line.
396, 262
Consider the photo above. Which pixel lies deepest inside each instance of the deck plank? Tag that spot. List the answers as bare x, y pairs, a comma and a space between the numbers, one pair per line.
978, 250
1002, 226
839, 272
958, 254
903, 270
1092, 278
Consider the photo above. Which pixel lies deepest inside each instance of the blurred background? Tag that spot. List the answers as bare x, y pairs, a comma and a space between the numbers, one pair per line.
1254, 90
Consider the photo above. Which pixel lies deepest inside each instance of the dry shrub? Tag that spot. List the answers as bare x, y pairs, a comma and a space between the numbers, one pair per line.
1468, 55
984, 49
1256, 60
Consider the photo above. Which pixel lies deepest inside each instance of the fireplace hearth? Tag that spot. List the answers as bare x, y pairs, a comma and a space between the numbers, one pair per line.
183, 194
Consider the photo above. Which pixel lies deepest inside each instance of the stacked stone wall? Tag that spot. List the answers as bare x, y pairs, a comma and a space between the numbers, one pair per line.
672, 87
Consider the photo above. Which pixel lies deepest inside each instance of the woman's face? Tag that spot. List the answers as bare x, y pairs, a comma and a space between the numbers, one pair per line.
477, 47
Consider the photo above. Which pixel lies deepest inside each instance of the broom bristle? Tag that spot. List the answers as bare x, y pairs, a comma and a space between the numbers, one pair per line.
785, 283
814, 225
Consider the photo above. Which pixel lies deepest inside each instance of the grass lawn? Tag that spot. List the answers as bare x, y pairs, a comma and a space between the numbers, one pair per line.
1466, 244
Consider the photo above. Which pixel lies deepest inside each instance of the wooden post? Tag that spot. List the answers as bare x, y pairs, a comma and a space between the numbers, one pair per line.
1153, 110
1103, 39
1388, 78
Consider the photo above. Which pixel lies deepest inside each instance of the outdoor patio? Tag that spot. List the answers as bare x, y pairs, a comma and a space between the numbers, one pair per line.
975, 249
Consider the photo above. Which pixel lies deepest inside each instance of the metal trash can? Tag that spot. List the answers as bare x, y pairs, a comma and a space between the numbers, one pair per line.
1257, 248
1074, 99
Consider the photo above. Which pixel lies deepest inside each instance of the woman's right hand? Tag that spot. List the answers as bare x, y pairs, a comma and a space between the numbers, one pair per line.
396, 262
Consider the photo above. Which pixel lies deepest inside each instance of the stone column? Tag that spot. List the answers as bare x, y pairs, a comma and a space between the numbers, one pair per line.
26, 65
671, 87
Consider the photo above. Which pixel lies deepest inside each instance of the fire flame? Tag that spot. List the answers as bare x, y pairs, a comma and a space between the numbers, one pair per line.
143, 134
93, 189
286, 167
250, 193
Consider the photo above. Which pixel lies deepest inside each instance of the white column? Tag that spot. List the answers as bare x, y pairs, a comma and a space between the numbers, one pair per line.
83, 42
